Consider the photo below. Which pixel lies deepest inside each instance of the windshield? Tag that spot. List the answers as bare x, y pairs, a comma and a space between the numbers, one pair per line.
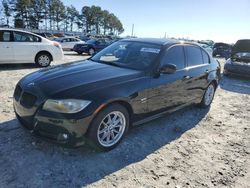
129, 54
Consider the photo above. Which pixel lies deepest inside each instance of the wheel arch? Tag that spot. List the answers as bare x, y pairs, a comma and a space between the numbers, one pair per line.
44, 51
121, 102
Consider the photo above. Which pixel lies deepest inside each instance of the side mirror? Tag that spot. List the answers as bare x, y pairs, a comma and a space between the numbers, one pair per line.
168, 69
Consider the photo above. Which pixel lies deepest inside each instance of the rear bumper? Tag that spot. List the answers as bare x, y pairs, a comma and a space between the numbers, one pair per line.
237, 69
56, 129
58, 55
235, 74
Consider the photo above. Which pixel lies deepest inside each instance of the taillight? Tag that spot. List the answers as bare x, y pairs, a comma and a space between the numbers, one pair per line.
56, 44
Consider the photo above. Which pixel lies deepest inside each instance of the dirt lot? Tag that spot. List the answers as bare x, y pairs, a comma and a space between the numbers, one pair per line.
189, 148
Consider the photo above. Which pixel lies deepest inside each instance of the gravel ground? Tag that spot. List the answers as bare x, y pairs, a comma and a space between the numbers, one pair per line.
189, 148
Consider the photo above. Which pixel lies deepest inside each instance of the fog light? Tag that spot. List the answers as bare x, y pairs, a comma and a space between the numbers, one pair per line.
62, 137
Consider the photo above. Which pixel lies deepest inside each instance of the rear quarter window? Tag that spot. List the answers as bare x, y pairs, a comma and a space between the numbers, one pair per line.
206, 58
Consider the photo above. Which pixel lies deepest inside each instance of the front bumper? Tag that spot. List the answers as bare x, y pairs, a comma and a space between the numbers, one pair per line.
53, 127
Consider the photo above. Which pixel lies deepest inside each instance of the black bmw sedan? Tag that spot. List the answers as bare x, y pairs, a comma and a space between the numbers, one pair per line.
128, 83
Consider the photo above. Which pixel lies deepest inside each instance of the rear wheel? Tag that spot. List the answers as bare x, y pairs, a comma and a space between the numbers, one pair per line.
109, 127
208, 96
43, 59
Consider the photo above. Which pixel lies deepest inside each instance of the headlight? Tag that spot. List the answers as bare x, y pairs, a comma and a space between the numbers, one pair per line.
69, 106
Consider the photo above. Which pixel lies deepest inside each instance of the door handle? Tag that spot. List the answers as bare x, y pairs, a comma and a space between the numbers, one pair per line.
7, 47
186, 77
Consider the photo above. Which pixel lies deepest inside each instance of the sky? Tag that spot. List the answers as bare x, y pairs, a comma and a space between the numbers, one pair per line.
218, 20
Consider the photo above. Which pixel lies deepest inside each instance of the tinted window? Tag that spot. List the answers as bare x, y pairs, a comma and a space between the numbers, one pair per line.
206, 59
25, 37
4, 36
194, 56
174, 55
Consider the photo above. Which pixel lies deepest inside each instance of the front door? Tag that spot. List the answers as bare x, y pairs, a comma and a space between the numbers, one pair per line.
169, 90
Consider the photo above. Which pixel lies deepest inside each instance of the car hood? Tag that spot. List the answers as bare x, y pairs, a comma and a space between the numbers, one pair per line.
84, 76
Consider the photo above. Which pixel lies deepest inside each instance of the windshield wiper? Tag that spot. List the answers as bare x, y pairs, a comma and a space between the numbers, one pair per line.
108, 63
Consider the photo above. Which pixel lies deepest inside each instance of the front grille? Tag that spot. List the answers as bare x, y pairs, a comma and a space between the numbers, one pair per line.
28, 100
17, 93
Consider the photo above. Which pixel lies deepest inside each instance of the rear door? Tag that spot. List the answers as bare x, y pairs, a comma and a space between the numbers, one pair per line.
25, 46
6, 47
198, 70
169, 90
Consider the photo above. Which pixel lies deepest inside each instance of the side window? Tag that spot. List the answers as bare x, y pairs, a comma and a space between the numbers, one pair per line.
194, 56
25, 37
174, 55
206, 58
4, 36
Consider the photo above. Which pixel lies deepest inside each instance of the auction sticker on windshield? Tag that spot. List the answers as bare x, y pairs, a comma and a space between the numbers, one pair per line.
150, 50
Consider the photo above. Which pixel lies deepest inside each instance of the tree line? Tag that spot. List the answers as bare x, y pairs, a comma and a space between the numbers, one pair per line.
54, 15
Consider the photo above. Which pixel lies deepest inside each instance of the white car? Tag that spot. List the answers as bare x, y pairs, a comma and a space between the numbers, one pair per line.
68, 43
24, 47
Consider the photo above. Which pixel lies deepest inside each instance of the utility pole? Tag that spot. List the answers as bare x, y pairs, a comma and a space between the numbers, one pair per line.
132, 31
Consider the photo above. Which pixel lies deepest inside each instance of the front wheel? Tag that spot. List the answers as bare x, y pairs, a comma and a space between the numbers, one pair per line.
109, 127
208, 96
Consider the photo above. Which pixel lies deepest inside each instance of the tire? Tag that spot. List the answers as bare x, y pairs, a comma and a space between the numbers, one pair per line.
43, 59
91, 51
208, 96
100, 131
80, 53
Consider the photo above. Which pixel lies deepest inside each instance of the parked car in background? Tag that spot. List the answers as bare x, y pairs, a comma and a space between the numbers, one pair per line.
91, 46
68, 43
128, 83
239, 63
58, 35
84, 38
222, 50
46, 35
24, 47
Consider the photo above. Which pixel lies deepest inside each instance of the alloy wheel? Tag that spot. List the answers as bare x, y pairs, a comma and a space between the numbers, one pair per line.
111, 129
209, 95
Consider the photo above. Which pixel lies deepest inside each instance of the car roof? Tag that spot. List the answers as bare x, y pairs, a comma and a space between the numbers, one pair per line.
162, 42
19, 30
153, 40
68, 37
